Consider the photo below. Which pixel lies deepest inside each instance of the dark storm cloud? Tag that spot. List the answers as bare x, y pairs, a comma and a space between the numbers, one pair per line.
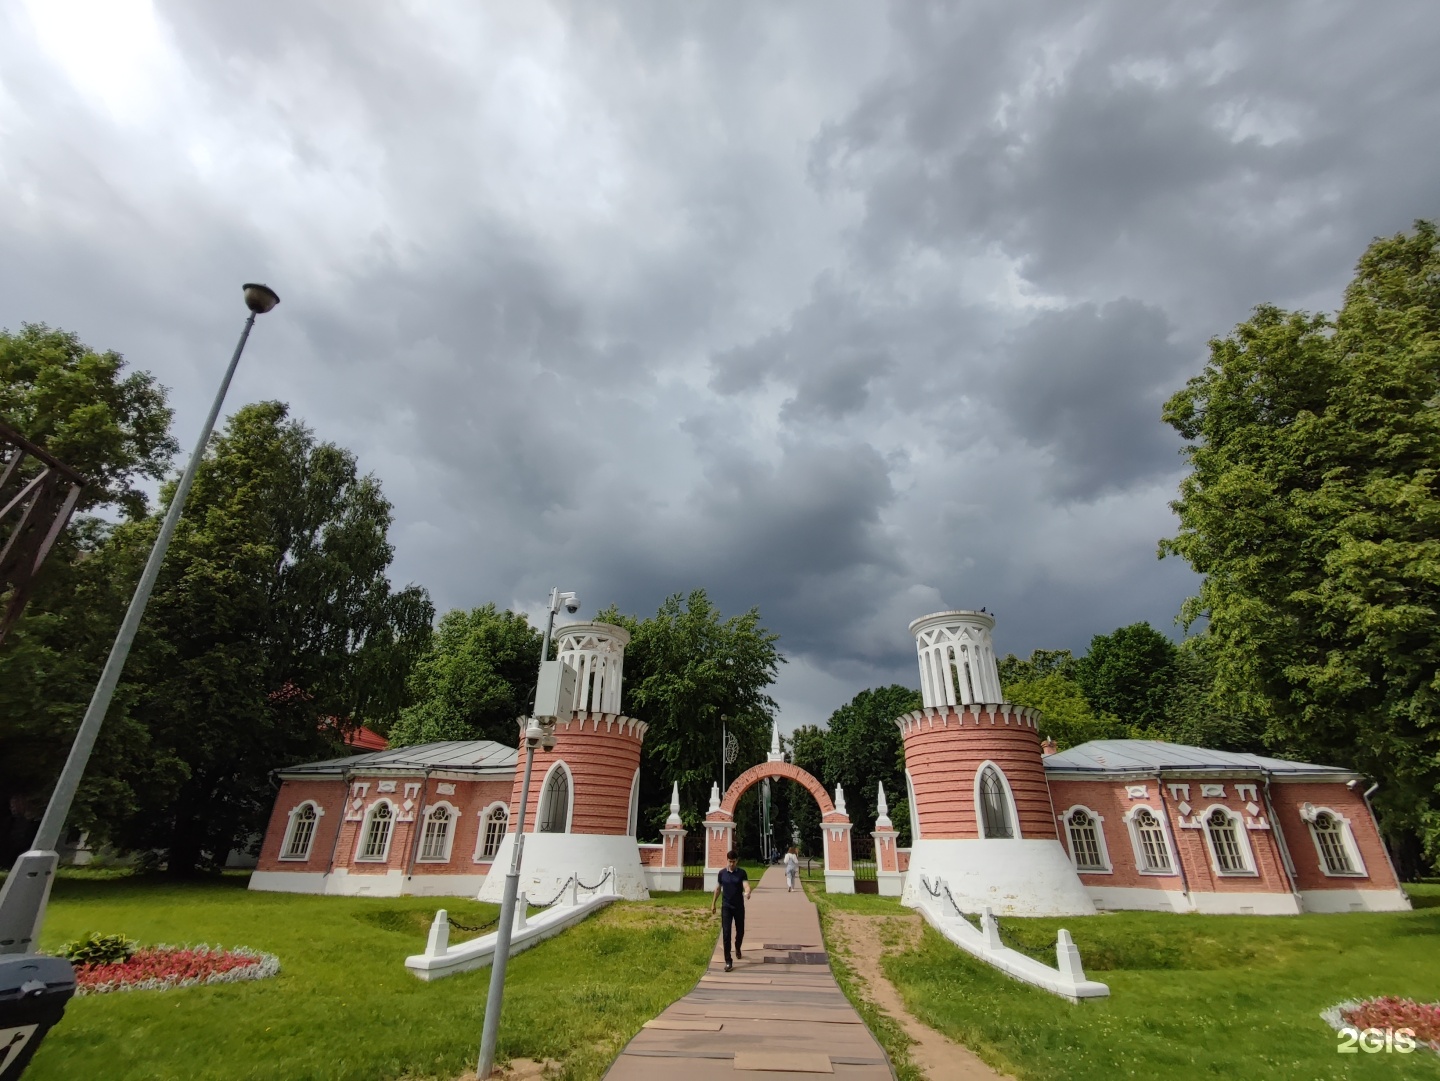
1087, 384
851, 313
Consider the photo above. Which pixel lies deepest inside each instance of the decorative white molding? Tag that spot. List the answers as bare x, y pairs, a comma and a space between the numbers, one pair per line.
1246, 791
1137, 791
597, 653
714, 796
385, 786
412, 791
674, 822
1212, 791
445, 789
1184, 807
957, 659
1180, 792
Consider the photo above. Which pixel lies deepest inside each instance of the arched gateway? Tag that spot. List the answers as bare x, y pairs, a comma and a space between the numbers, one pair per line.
834, 821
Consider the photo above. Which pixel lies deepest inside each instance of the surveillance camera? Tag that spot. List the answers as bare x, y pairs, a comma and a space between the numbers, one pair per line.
572, 605
533, 733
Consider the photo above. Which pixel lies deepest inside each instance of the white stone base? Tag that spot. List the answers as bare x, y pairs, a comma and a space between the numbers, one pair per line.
288, 881
1352, 900
444, 885
712, 879
892, 883
1246, 904
839, 881
1138, 899
550, 859
342, 883
665, 879
1011, 878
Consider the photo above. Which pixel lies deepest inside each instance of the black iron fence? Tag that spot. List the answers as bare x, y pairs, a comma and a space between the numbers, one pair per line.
694, 877
862, 860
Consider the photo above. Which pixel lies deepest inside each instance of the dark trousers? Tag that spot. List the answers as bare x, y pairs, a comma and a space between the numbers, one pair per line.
732, 917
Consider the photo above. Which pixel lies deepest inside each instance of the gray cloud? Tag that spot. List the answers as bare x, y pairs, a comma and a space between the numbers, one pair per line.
851, 314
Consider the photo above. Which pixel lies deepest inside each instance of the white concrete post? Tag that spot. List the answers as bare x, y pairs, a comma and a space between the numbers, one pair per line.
1067, 958
521, 904
991, 930
439, 940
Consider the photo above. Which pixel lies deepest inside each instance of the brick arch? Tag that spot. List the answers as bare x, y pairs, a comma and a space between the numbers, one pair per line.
786, 770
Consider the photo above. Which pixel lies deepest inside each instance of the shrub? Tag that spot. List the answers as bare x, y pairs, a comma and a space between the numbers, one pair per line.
98, 949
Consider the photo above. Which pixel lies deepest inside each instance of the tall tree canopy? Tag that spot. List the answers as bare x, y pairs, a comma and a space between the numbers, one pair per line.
863, 749
685, 668
1313, 510
272, 622
1130, 673
114, 428
476, 678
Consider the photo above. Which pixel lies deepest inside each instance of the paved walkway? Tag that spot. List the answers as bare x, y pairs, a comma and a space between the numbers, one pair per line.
780, 1012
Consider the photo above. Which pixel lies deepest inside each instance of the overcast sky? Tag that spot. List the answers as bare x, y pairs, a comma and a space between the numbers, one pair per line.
848, 311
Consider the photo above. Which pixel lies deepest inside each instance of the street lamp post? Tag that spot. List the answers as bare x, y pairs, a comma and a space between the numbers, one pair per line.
27, 889
536, 733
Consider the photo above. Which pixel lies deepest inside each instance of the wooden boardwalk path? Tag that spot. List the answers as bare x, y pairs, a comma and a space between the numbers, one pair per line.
780, 1013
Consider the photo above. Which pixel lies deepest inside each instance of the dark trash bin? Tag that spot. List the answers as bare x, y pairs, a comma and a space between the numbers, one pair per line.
33, 993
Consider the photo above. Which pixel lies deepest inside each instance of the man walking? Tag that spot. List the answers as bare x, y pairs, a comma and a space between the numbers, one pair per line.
732, 890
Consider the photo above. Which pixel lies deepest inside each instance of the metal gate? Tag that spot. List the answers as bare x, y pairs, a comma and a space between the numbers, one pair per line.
862, 859
694, 878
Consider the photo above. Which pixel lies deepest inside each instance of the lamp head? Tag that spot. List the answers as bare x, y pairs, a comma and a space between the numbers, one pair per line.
260, 298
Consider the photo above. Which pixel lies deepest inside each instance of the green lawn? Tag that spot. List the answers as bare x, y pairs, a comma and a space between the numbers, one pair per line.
343, 1005
1234, 997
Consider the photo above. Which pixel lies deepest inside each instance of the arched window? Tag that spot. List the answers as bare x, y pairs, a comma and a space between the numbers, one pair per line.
1152, 850
375, 844
435, 841
555, 802
301, 834
635, 804
994, 805
1085, 843
492, 831
1334, 842
1225, 843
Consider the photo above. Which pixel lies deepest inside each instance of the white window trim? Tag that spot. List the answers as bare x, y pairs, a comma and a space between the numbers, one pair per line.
449, 833
384, 857
1015, 832
479, 856
914, 808
540, 803
635, 804
1107, 867
1242, 836
290, 831
1139, 849
1347, 838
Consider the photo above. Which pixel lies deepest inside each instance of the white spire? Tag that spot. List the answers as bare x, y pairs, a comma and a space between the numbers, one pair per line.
674, 819
715, 796
882, 821
840, 799
776, 755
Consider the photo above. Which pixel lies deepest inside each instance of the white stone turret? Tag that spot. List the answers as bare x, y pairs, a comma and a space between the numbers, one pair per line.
882, 820
840, 799
776, 755
714, 796
597, 653
957, 659
673, 822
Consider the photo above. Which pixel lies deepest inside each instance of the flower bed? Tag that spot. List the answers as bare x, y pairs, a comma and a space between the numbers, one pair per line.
159, 968
1389, 1013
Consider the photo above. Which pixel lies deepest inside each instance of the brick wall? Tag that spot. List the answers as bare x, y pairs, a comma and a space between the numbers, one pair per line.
943, 752
1290, 796
602, 752
330, 796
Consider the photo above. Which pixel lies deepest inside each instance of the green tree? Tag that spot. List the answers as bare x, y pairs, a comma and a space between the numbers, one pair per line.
1066, 715
1311, 509
1130, 674
863, 749
1040, 663
807, 750
476, 678
685, 668
113, 428
273, 620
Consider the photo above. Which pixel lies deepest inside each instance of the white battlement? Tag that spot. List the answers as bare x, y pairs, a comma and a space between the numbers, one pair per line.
957, 659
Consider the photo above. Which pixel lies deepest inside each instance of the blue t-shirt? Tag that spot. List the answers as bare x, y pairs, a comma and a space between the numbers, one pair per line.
732, 887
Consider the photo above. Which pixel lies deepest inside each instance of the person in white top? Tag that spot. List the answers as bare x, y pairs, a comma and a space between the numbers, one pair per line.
792, 869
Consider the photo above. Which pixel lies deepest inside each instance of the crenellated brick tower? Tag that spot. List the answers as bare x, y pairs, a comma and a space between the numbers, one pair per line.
981, 815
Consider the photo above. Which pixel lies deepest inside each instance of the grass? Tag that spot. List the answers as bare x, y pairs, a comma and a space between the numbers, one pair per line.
343, 1006
1192, 996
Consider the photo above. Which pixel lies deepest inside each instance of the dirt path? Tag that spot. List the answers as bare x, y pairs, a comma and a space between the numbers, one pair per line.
865, 939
